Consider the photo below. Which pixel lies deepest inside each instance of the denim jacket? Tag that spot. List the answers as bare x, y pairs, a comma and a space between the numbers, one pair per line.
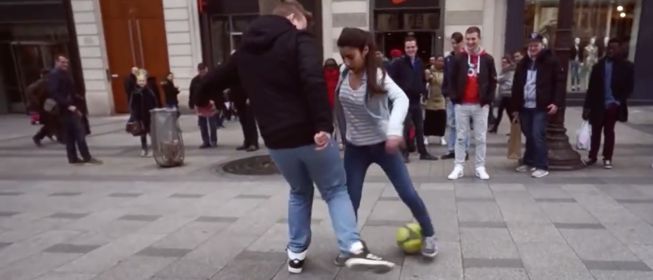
388, 109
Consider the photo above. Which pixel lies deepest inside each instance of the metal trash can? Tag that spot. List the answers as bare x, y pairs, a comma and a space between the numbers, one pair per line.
167, 142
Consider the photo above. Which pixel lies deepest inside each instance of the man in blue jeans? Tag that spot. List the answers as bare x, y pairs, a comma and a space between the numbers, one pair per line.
537, 92
280, 69
208, 123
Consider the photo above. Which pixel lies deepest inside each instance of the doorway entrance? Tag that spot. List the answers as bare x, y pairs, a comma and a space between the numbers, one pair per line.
134, 31
392, 25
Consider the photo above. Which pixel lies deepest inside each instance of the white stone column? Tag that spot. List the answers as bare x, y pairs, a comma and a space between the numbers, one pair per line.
92, 52
344, 13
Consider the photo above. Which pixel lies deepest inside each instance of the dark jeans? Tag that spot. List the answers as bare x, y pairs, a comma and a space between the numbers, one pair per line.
533, 124
75, 137
359, 158
607, 127
209, 129
144, 141
504, 104
248, 125
415, 115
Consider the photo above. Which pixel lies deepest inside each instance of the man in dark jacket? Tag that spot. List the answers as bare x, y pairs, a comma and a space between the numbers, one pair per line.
471, 88
538, 90
62, 89
279, 67
457, 47
610, 86
208, 123
37, 93
130, 82
408, 73
246, 119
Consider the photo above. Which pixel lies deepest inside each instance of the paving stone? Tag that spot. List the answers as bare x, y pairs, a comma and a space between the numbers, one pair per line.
66, 276
464, 224
567, 213
632, 234
252, 265
140, 218
35, 266
8, 213
65, 215
556, 200
216, 219
622, 275
252, 196
163, 252
492, 263
447, 265
472, 191
34, 245
285, 221
389, 223
481, 273
644, 253
67, 248
11, 193
389, 198
135, 268
616, 265
487, 243
602, 207
186, 195
4, 244
474, 199
479, 212
634, 200
520, 207
552, 260
584, 242
579, 226
390, 210
125, 194
65, 194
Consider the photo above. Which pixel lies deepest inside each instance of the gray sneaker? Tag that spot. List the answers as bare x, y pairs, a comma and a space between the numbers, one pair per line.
524, 168
429, 247
340, 260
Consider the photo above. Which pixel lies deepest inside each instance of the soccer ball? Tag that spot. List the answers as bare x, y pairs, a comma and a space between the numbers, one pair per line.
409, 238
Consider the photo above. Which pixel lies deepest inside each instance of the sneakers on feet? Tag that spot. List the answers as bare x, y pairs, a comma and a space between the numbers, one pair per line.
457, 173
93, 161
589, 162
607, 164
539, 173
450, 155
340, 260
362, 259
427, 156
443, 142
143, 153
481, 173
525, 168
205, 146
429, 247
296, 261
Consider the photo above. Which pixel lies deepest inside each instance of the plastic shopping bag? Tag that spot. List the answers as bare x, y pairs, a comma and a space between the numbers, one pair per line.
514, 143
584, 136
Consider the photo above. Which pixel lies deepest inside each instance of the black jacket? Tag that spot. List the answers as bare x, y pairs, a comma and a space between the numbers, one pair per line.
129, 84
281, 71
550, 81
580, 53
62, 89
409, 78
448, 69
622, 87
142, 101
171, 93
487, 79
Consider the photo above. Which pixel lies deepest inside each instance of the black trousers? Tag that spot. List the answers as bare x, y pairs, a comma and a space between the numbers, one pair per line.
247, 124
415, 116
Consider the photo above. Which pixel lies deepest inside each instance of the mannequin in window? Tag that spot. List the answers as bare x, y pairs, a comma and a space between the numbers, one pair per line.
591, 56
545, 41
576, 63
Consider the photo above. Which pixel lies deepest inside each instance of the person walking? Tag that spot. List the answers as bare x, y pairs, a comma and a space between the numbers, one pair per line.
472, 89
537, 92
435, 116
171, 91
373, 131
292, 109
611, 84
143, 100
505, 91
37, 93
457, 47
246, 119
206, 119
62, 89
408, 72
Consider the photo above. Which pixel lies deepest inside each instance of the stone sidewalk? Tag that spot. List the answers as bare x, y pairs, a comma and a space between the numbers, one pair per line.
129, 220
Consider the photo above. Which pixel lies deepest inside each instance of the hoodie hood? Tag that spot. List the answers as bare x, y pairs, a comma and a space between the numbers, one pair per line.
264, 32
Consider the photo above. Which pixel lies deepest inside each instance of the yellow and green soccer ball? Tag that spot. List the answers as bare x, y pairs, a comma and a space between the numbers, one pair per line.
409, 238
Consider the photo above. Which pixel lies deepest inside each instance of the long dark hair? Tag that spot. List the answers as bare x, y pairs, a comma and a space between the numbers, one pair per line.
358, 38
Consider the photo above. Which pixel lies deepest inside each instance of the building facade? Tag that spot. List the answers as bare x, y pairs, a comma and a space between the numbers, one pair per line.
105, 38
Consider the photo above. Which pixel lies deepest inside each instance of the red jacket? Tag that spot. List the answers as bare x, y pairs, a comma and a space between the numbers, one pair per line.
331, 77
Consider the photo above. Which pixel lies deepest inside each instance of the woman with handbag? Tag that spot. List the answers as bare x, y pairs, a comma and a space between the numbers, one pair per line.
142, 101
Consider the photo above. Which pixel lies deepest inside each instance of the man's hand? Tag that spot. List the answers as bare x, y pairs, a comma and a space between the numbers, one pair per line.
72, 108
322, 140
553, 109
393, 143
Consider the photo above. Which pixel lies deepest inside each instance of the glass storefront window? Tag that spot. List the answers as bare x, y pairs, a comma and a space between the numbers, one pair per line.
595, 22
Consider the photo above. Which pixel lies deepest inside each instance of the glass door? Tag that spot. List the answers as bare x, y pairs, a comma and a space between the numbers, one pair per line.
28, 58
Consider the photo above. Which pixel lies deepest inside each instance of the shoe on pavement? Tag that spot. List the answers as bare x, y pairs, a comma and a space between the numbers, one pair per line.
144, 153
450, 155
341, 259
427, 156
589, 162
93, 161
252, 148
481, 173
607, 164
457, 173
429, 247
37, 142
362, 259
443, 142
241, 148
76, 162
205, 146
539, 173
296, 261
525, 168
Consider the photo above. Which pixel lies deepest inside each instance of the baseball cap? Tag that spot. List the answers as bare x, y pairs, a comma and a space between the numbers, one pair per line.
535, 37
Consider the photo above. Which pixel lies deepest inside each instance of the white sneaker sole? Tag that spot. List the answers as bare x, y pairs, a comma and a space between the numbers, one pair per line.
540, 176
479, 176
369, 265
295, 270
459, 175
430, 255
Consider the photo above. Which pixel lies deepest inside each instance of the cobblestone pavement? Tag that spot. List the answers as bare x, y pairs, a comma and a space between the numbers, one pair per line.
129, 220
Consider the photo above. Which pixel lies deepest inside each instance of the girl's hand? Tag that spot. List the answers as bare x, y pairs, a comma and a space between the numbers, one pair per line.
393, 143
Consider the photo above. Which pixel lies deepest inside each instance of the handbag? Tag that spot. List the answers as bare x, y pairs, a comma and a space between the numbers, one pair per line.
514, 143
50, 106
135, 128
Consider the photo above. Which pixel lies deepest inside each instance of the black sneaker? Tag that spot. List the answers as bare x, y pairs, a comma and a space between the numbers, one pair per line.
241, 148
37, 142
607, 164
252, 148
340, 260
450, 155
76, 162
589, 162
427, 156
205, 146
295, 266
93, 161
364, 260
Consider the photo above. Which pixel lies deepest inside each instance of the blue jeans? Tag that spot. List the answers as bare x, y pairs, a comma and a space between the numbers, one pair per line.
75, 137
302, 167
359, 158
451, 128
533, 124
575, 73
209, 129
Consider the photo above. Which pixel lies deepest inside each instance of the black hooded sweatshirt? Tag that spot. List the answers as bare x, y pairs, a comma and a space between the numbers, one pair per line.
281, 71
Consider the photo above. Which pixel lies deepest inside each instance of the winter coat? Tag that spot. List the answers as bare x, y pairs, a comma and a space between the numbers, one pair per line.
622, 87
435, 101
331, 77
550, 86
171, 92
142, 101
487, 78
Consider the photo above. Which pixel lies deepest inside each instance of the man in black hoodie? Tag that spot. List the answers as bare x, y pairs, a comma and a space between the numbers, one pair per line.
538, 90
279, 67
